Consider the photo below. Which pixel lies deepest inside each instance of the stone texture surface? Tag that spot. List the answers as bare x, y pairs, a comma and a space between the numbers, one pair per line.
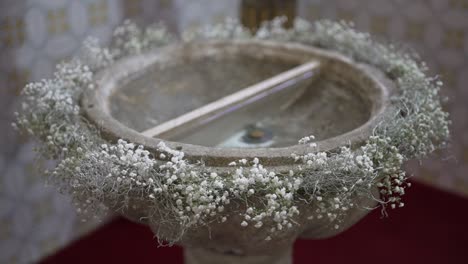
369, 83
240, 244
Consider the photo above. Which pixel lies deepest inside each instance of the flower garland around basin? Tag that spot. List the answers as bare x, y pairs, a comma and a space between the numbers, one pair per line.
185, 195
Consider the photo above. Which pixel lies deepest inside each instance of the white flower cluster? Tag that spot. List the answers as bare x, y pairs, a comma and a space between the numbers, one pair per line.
127, 39
109, 172
277, 190
132, 165
94, 55
274, 29
388, 162
229, 29
197, 194
307, 140
191, 194
49, 109
342, 176
131, 39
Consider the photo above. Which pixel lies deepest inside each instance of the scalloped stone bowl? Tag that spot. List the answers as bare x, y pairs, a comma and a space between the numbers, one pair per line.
341, 106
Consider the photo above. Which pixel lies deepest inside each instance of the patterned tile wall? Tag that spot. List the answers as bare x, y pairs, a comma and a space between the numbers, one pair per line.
36, 34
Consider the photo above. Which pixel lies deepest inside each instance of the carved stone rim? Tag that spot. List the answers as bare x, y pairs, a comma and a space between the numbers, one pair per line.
95, 102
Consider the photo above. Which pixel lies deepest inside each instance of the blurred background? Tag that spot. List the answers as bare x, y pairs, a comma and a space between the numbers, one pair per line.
36, 34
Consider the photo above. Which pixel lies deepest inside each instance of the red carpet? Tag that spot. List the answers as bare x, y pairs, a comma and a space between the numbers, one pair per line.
431, 228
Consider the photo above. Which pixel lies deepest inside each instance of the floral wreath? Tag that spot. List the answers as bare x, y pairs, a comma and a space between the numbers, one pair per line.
101, 174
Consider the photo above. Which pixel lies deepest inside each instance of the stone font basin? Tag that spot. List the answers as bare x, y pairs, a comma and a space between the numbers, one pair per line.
340, 105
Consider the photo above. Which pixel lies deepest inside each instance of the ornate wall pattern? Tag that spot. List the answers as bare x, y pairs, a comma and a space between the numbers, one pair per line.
36, 34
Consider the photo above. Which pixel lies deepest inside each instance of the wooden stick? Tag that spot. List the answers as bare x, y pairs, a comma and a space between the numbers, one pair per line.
240, 98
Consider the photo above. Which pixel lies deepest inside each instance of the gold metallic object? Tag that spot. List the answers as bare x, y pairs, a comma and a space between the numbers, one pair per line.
254, 12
